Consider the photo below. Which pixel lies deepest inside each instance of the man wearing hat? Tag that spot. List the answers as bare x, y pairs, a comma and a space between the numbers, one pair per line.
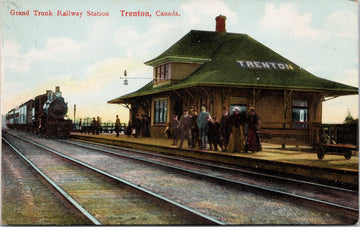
93, 125
225, 127
194, 129
252, 130
175, 129
185, 129
203, 126
117, 125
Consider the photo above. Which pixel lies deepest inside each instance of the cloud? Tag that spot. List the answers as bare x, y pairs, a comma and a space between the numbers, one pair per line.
56, 50
199, 11
160, 34
287, 19
132, 41
137, 43
13, 59
343, 23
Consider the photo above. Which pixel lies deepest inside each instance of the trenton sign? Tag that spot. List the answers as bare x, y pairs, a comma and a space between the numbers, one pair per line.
265, 65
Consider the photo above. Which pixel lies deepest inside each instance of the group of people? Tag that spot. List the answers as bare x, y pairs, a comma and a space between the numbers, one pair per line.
139, 127
235, 133
96, 125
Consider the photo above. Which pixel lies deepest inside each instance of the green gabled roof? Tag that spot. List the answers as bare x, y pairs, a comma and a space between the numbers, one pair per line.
195, 45
219, 53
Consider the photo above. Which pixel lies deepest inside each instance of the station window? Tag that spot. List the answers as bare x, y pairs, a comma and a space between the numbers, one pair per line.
299, 113
160, 111
162, 72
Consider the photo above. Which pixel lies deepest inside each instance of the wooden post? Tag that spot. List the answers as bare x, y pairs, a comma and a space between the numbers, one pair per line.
287, 96
284, 123
212, 102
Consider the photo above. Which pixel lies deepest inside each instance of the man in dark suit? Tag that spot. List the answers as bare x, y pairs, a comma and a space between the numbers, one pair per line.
185, 129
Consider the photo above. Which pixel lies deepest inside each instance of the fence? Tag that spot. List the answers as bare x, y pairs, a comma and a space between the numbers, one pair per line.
307, 133
105, 127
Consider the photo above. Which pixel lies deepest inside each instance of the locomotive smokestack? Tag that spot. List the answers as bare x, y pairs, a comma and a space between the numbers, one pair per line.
220, 23
57, 89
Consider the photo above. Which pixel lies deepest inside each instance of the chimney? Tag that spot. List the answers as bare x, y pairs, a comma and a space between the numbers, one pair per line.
220, 23
57, 89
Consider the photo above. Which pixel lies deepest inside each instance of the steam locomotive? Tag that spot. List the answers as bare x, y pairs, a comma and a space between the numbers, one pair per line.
43, 115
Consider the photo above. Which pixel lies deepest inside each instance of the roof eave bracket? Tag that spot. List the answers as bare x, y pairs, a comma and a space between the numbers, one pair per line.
333, 97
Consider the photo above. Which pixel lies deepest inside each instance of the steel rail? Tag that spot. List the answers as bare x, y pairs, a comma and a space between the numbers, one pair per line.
341, 208
63, 193
205, 219
290, 180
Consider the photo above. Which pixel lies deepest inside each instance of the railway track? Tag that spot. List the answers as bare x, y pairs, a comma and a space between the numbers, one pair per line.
27, 199
98, 151
300, 190
151, 207
65, 196
216, 166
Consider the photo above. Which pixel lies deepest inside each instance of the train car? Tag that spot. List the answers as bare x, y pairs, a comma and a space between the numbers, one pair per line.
43, 115
20, 117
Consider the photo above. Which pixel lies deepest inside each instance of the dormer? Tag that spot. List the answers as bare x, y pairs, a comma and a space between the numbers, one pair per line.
187, 55
162, 74
173, 72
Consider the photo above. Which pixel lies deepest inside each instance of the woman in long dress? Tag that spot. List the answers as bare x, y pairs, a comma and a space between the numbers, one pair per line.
237, 140
253, 125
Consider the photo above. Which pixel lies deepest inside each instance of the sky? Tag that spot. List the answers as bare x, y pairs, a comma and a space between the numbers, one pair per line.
86, 56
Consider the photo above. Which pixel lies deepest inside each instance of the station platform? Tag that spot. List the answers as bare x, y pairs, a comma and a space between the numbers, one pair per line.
296, 160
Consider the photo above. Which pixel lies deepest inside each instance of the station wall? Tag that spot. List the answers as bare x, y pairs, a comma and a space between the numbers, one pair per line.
270, 105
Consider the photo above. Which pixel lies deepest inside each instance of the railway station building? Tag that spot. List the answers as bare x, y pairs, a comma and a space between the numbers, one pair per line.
222, 69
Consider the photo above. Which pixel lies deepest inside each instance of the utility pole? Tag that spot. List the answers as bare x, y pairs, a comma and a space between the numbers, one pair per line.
74, 113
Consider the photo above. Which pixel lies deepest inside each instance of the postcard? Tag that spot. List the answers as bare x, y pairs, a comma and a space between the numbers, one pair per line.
188, 112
